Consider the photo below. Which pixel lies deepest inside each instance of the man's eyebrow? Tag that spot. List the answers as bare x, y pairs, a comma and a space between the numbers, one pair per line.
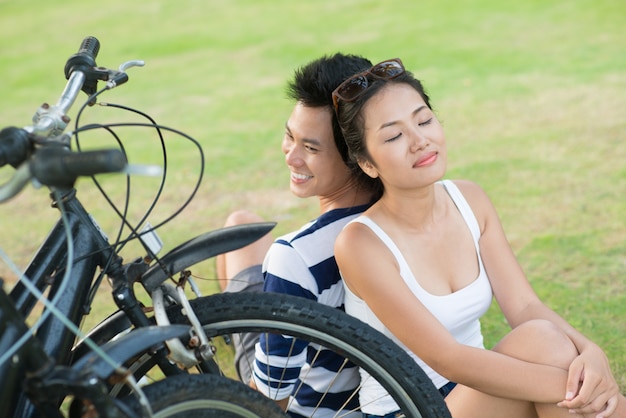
393, 122
310, 141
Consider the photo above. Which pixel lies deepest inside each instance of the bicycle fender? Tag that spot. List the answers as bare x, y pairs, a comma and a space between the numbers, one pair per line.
202, 248
109, 328
127, 347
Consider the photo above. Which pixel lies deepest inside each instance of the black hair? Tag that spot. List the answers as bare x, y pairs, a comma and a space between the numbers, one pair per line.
313, 84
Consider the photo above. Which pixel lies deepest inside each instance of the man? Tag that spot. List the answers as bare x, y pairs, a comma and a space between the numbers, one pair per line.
302, 263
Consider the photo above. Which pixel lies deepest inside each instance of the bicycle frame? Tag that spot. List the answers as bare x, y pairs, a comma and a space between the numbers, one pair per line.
53, 340
92, 250
46, 383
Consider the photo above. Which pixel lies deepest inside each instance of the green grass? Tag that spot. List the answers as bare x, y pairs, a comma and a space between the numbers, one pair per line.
531, 95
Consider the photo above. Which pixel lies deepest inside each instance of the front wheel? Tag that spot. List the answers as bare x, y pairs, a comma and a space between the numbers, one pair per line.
203, 396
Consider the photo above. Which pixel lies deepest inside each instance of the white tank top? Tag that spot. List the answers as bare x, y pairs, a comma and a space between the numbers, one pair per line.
459, 312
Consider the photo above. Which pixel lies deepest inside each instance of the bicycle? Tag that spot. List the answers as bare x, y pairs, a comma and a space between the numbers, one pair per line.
35, 361
210, 317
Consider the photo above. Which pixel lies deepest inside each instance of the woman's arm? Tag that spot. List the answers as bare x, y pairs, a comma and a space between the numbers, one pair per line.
371, 272
590, 378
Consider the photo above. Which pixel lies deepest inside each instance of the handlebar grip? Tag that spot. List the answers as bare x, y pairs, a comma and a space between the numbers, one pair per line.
84, 58
59, 167
15, 146
89, 46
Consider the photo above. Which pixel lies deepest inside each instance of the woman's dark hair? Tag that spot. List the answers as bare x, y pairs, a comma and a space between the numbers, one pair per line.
313, 84
350, 117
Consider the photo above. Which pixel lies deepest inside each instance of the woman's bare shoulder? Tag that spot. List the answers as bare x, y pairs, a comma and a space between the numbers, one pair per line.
478, 200
355, 234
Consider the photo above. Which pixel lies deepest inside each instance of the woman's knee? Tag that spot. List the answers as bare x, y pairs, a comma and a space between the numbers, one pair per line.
539, 341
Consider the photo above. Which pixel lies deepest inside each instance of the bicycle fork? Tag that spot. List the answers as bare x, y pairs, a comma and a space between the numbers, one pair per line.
199, 347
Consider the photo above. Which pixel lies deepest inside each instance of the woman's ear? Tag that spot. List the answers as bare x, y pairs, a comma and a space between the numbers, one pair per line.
368, 168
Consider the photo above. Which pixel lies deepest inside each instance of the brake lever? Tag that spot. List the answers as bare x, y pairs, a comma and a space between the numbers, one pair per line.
120, 77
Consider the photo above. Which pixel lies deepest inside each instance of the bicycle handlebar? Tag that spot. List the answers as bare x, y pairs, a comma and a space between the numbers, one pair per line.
82, 61
83, 74
40, 151
59, 167
15, 146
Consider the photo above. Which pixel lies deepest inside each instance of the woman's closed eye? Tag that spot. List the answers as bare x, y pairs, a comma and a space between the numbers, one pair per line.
426, 122
393, 138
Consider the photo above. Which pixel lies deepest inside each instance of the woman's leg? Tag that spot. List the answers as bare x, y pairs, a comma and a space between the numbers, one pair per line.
535, 341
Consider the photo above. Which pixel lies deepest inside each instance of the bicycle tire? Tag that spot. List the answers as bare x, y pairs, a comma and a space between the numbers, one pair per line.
229, 313
204, 396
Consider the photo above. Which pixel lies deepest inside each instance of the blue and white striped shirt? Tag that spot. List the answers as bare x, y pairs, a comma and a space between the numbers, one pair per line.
302, 263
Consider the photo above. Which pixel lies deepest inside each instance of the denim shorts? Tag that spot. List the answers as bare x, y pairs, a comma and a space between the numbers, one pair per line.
444, 390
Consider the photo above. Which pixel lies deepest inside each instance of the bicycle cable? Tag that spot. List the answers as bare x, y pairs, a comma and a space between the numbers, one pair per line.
175, 131
134, 230
163, 176
159, 128
124, 214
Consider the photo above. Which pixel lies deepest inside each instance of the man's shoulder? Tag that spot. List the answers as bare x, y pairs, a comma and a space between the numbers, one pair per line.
324, 227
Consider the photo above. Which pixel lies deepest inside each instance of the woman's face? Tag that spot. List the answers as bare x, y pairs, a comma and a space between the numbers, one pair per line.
404, 139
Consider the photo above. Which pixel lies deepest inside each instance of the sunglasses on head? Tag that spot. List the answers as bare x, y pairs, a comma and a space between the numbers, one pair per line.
353, 87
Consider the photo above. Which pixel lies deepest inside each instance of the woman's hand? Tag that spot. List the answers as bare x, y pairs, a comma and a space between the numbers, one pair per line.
591, 387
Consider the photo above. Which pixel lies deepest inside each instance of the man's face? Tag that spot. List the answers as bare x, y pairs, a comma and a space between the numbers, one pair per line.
315, 165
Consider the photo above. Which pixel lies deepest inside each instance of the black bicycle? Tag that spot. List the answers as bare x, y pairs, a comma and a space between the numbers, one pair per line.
39, 375
215, 320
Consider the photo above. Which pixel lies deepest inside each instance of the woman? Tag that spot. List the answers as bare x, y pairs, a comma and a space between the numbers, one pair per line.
423, 263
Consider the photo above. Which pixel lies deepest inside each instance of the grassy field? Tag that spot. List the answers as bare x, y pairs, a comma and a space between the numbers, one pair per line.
532, 96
